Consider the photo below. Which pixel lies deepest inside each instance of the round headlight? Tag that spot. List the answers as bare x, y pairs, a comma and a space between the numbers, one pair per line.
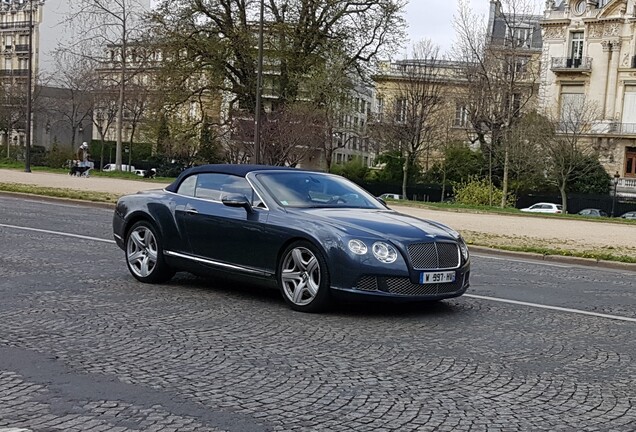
384, 252
464, 249
357, 247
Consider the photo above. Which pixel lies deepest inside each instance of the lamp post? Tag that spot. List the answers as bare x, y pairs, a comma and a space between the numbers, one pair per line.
259, 89
615, 182
27, 158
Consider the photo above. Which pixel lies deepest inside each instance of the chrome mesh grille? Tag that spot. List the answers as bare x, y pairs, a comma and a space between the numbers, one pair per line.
431, 256
367, 283
404, 286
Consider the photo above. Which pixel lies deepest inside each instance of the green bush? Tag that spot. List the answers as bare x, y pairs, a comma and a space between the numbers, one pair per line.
476, 192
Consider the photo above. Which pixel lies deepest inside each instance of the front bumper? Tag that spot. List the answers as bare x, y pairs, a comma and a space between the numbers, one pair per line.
403, 288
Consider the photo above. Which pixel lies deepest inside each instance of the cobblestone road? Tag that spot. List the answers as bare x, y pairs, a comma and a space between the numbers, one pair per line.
83, 347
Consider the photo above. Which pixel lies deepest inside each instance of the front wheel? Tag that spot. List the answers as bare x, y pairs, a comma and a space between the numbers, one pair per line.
144, 254
303, 277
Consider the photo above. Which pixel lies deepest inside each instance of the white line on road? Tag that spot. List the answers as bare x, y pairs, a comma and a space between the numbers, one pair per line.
515, 302
555, 308
521, 260
58, 233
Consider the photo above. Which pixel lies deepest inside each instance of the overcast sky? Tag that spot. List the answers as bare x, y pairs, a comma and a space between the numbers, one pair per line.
432, 19
429, 19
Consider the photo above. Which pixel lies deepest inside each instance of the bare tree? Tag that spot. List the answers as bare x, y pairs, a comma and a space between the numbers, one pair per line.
413, 117
568, 151
75, 79
117, 25
501, 71
292, 135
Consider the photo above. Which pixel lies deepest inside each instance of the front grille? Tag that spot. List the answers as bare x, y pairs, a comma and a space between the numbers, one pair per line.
367, 283
404, 286
432, 256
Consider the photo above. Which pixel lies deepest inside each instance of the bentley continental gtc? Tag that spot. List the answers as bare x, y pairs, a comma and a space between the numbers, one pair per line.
315, 236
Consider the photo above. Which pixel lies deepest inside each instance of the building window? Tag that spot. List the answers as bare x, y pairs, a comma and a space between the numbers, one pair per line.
400, 110
572, 99
580, 8
461, 116
576, 48
630, 162
520, 37
519, 65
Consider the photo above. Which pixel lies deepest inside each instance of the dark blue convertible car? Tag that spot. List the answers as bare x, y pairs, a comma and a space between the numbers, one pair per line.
312, 234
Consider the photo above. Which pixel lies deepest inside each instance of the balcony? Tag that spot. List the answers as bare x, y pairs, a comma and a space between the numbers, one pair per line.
14, 72
622, 128
626, 187
571, 65
22, 48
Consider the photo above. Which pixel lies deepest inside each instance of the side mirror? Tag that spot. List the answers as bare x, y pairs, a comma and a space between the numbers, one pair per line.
237, 200
382, 201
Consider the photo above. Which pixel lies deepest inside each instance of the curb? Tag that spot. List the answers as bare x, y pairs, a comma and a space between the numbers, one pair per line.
585, 262
58, 199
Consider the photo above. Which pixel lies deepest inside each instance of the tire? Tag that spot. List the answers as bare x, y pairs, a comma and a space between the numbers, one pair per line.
303, 277
144, 254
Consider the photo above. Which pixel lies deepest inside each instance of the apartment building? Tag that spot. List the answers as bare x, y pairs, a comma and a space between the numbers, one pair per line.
16, 18
589, 57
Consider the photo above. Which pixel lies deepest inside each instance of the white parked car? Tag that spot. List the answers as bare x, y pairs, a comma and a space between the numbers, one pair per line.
112, 167
391, 196
544, 208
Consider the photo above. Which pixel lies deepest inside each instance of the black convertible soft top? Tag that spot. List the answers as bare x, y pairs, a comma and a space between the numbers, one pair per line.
233, 169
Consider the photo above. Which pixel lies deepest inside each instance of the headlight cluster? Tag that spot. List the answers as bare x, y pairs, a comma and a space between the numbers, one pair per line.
382, 251
463, 248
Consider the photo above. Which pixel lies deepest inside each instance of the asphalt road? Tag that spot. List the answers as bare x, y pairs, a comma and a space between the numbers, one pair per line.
84, 347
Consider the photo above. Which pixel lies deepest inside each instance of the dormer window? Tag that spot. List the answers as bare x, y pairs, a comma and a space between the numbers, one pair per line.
580, 7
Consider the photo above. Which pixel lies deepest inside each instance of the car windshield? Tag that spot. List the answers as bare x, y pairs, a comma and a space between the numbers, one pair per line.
308, 190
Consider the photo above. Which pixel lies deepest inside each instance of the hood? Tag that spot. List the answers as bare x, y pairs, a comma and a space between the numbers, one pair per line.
386, 224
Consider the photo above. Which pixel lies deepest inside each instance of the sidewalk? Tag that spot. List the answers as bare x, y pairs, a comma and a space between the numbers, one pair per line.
97, 184
496, 230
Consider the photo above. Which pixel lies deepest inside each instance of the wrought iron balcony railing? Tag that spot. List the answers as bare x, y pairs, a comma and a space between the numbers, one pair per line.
623, 128
583, 64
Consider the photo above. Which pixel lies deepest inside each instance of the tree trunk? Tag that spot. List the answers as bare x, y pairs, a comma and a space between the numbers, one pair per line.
443, 183
564, 197
504, 196
405, 175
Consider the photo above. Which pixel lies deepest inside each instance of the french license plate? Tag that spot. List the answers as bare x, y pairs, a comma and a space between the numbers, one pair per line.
437, 277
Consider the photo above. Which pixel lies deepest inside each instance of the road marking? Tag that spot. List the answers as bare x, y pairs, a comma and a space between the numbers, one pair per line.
529, 261
500, 300
555, 308
59, 233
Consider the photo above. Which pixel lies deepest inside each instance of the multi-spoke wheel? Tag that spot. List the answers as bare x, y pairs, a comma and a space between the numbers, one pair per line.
303, 277
144, 254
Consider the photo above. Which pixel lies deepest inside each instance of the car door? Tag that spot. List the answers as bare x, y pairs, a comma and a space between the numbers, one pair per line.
225, 236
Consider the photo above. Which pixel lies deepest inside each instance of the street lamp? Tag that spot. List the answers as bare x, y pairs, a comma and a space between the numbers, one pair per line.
27, 159
259, 89
615, 180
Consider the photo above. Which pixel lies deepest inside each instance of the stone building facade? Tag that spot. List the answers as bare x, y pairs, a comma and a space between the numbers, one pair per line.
589, 56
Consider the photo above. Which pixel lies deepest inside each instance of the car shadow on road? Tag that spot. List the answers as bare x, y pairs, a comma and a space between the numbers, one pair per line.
340, 307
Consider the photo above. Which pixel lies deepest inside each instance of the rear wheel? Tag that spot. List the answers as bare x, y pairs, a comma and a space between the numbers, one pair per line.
144, 254
303, 277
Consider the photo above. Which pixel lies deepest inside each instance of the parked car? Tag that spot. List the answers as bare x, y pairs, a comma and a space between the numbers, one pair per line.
629, 215
592, 212
544, 208
393, 196
313, 235
113, 167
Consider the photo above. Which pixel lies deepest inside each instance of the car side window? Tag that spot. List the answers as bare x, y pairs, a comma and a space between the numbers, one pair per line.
187, 186
214, 186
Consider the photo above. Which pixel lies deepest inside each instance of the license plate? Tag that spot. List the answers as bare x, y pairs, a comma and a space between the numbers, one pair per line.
437, 277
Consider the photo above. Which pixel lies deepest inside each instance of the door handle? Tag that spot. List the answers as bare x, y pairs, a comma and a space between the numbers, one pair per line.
191, 210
